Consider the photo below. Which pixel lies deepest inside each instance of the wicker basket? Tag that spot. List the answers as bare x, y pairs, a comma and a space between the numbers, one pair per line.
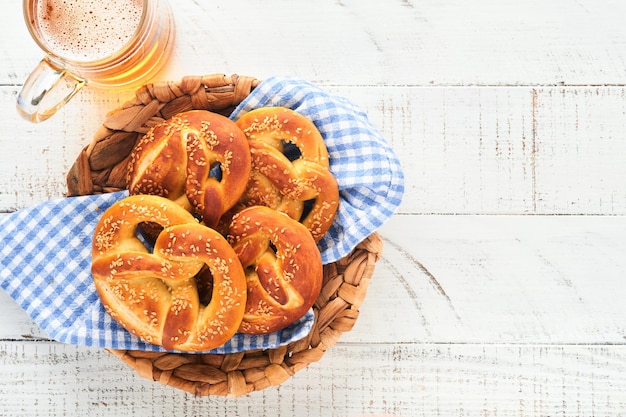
101, 167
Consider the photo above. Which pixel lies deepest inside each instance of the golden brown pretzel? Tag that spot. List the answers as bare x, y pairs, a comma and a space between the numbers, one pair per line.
283, 268
285, 183
155, 295
174, 160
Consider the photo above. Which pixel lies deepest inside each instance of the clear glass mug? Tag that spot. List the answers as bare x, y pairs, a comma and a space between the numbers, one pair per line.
107, 44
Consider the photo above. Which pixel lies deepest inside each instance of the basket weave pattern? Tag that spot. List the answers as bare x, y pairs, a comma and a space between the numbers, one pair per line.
101, 167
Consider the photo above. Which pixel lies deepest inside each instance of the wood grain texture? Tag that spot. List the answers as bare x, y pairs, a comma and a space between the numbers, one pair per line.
396, 42
506, 279
464, 150
352, 380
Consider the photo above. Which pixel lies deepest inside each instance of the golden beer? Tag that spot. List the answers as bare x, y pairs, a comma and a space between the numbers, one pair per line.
110, 44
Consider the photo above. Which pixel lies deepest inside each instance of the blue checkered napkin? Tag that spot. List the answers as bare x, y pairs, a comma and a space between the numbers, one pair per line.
370, 178
45, 266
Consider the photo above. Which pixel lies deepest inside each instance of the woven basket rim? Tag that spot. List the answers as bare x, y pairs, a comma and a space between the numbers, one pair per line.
101, 167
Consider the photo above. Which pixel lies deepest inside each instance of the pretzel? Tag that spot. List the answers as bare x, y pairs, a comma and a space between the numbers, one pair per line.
155, 295
283, 268
290, 183
176, 158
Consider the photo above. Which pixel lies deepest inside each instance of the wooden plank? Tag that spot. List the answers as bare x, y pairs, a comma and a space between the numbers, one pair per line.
579, 150
480, 279
499, 279
42, 379
492, 150
464, 150
424, 43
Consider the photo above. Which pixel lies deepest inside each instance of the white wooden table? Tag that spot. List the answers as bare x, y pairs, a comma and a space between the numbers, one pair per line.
501, 290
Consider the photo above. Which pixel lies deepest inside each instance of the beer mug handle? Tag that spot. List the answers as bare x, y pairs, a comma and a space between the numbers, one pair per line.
47, 89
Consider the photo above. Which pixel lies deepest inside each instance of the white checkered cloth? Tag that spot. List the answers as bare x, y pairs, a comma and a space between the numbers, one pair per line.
45, 250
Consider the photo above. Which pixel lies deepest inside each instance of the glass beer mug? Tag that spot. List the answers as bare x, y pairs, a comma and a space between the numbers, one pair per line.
110, 44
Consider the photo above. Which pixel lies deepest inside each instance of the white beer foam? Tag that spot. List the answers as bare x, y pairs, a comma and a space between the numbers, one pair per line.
87, 30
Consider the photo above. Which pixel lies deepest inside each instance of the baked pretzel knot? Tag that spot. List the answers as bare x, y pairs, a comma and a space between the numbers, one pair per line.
290, 168
154, 295
197, 158
283, 268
